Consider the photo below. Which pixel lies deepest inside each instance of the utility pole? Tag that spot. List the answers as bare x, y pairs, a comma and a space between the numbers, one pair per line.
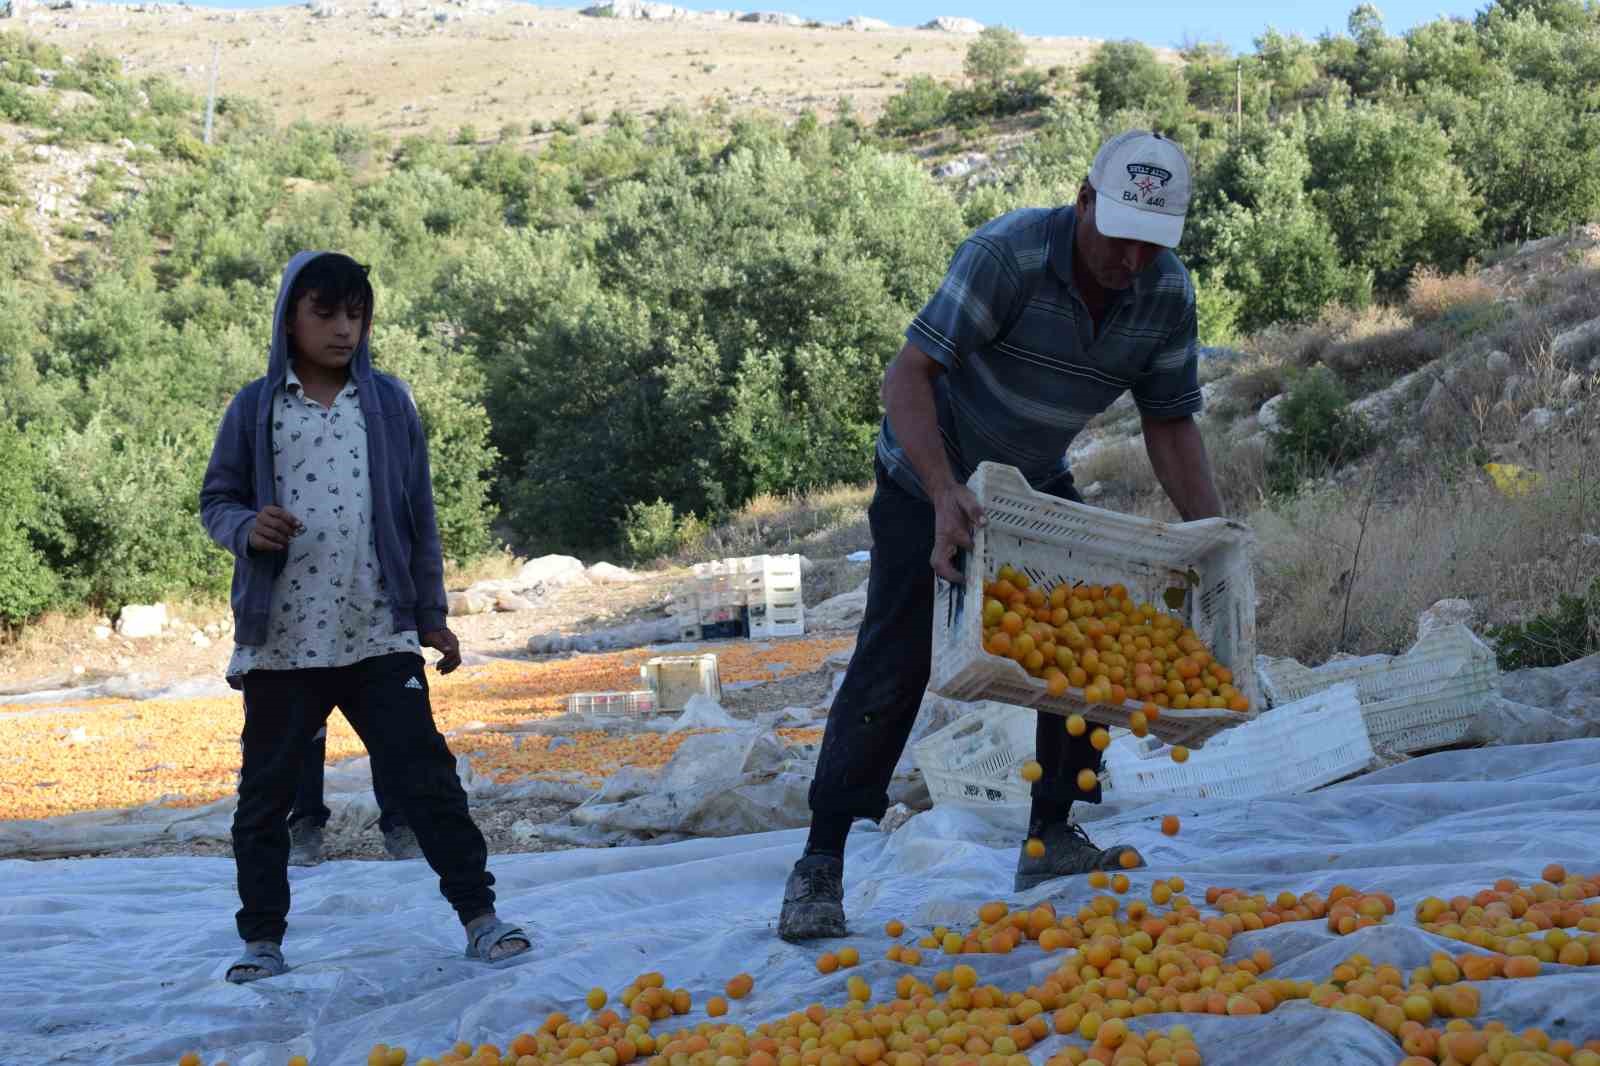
211, 94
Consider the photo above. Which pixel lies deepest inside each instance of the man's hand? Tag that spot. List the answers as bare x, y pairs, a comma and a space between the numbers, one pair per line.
444, 641
956, 513
272, 529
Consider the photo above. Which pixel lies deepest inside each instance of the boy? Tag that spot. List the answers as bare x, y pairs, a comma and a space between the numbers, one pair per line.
319, 486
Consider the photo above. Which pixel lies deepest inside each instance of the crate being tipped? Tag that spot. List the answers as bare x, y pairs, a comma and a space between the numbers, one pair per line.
1056, 542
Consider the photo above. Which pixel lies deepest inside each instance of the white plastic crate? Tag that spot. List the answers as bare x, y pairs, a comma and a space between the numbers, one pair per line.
1052, 540
778, 624
763, 589
1427, 698
778, 614
675, 678
1293, 748
612, 703
752, 573
977, 759
689, 628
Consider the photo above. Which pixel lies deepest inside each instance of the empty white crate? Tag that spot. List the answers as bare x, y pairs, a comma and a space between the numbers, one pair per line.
977, 759
1293, 748
1427, 698
675, 678
1052, 540
612, 703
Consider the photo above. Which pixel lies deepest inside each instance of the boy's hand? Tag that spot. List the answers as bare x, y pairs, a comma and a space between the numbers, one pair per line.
273, 528
445, 641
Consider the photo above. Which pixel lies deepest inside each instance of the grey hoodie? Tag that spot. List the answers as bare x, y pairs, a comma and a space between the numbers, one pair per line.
239, 483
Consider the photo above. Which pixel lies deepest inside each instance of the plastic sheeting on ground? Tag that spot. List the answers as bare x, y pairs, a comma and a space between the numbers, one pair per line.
1553, 703
121, 960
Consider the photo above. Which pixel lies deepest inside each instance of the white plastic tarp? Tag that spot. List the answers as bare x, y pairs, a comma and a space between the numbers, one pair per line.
121, 960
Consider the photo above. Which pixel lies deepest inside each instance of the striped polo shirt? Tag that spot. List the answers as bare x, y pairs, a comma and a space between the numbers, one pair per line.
1025, 370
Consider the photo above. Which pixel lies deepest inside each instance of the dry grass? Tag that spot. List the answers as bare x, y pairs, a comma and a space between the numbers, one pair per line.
1240, 469
1445, 533
1432, 295
520, 64
1378, 344
499, 565
823, 524
1258, 378
1124, 475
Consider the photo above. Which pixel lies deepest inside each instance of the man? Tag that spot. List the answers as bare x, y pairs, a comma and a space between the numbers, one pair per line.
1044, 319
308, 818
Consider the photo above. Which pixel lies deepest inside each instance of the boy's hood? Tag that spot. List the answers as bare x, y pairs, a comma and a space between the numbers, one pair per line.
278, 359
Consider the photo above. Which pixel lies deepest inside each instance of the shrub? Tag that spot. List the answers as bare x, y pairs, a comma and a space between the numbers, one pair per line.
27, 585
1432, 294
652, 531
123, 518
10, 188
1216, 312
1570, 630
920, 106
184, 147
467, 135
20, 251
1316, 431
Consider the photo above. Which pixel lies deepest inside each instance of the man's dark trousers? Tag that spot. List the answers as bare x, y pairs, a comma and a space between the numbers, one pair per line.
877, 703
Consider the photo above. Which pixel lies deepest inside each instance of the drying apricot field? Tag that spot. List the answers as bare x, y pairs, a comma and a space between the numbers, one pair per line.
184, 753
1445, 910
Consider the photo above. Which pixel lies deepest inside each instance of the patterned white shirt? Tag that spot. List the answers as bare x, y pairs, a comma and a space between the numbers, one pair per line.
328, 604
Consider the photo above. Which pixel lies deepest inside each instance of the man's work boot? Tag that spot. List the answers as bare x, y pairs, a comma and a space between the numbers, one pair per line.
305, 843
813, 900
401, 843
1067, 851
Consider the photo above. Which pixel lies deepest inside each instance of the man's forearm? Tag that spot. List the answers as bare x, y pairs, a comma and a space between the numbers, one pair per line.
1178, 455
908, 400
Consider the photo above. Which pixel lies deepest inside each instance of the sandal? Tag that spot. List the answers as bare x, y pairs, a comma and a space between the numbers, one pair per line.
261, 958
482, 942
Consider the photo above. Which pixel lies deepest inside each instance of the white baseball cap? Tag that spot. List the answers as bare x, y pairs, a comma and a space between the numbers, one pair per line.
1141, 183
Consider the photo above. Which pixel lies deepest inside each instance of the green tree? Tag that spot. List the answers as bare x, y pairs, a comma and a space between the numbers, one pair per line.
1129, 75
1389, 188
449, 397
1284, 265
1209, 71
1567, 16
1368, 60
27, 585
1446, 52
995, 56
1288, 65
1531, 156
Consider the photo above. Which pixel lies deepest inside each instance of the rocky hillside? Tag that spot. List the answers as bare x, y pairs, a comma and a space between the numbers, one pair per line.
401, 66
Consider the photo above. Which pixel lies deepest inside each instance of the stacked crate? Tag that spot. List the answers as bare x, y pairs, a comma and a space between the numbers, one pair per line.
758, 596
